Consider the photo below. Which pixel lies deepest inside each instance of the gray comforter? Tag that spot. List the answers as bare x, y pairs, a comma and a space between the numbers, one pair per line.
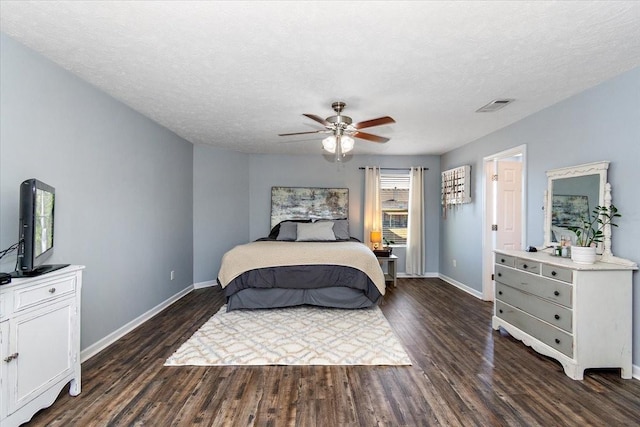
276, 274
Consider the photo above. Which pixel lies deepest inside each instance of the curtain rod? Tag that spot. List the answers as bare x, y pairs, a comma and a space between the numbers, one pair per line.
395, 169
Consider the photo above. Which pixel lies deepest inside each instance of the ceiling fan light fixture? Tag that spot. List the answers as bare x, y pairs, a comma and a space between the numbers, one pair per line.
347, 143
329, 144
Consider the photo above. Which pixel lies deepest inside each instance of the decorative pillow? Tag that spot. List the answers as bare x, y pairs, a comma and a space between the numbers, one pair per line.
273, 234
341, 229
322, 230
288, 231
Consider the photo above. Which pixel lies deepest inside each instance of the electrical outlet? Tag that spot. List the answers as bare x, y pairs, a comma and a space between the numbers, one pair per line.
173, 274
455, 263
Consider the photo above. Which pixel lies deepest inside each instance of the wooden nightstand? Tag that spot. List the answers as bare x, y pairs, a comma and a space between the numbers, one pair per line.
392, 272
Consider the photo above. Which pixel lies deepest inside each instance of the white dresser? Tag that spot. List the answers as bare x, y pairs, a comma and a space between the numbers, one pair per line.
39, 342
580, 315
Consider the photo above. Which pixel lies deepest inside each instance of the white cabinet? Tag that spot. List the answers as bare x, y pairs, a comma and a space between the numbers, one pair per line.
39, 342
580, 315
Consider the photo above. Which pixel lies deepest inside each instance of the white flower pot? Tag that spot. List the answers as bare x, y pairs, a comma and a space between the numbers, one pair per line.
583, 255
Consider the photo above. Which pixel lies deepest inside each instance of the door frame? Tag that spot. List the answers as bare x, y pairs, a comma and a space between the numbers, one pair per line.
488, 240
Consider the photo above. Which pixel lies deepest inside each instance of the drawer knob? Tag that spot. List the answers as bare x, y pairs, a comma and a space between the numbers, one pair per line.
553, 273
11, 357
499, 292
502, 260
525, 266
557, 341
52, 290
556, 293
557, 317
500, 311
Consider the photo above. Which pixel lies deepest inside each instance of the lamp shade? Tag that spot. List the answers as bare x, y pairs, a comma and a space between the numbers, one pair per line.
375, 236
329, 144
347, 143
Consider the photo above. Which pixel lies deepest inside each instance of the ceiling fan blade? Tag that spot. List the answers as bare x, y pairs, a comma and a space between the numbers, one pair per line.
318, 119
301, 133
370, 137
374, 122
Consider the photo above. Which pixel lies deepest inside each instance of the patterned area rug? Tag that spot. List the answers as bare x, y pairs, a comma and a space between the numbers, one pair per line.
293, 336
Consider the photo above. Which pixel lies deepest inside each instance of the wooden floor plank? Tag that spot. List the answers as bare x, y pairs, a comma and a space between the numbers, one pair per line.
463, 374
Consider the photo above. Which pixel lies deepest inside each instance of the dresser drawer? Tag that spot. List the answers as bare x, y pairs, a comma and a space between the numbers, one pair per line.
534, 284
38, 294
549, 335
507, 260
558, 273
526, 265
550, 312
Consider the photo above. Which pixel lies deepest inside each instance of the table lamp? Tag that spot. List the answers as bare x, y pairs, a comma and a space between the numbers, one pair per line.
376, 238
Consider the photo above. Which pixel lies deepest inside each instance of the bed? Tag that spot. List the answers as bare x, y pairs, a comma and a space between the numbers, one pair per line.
302, 262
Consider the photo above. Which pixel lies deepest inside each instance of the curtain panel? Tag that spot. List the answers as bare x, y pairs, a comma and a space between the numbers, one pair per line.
372, 205
415, 260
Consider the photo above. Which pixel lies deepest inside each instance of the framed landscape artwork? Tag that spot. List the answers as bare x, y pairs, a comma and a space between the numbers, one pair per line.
308, 203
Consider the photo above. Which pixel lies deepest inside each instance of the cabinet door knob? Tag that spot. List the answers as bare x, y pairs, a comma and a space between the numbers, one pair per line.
500, 311
557, 317
553, 273
557, 341
556, 293
499, 274
11, 357
52, 290
499, 292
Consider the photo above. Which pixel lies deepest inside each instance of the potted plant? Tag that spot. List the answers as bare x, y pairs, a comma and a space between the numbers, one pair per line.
387, 243
590, 232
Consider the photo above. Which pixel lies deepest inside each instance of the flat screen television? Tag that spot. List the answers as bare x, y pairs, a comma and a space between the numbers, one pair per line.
36, 228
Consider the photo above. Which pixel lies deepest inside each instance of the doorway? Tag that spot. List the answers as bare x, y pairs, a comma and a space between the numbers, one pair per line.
504, 214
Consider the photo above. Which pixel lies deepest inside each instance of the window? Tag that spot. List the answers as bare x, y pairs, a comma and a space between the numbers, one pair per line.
394, 199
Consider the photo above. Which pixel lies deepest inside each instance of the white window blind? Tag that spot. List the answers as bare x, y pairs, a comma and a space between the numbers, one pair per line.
394, 198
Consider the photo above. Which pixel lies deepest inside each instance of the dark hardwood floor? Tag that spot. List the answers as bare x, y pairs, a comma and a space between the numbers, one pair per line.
463, 374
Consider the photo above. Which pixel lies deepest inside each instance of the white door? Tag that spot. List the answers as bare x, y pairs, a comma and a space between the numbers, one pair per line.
509, 205
503, 220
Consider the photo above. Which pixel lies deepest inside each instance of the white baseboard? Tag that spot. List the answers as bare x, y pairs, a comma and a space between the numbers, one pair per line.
206, 284
105, 342
462, 286
635, 372
417, 276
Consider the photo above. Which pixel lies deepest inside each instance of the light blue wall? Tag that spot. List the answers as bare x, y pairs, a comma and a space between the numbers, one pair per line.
267, 171
602, 123
220, 207
123, 188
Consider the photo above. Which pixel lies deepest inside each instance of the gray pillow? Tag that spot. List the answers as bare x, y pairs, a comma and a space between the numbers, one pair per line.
288, 231
341, 229
322, 230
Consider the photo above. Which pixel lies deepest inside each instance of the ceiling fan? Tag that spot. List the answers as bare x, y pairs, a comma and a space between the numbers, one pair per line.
343, 130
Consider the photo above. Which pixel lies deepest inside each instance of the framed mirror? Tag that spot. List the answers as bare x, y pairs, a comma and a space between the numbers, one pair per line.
573, 192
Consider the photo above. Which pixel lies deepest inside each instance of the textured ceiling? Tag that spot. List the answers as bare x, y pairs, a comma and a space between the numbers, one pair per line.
235, 74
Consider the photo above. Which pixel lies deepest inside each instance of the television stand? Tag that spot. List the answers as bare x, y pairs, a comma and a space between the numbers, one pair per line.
40, 349
42, 269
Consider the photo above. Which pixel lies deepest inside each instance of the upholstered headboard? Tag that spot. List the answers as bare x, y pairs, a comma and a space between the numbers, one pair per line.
308, 203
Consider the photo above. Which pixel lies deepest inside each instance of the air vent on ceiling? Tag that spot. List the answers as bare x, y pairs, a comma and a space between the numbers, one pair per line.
495, 105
